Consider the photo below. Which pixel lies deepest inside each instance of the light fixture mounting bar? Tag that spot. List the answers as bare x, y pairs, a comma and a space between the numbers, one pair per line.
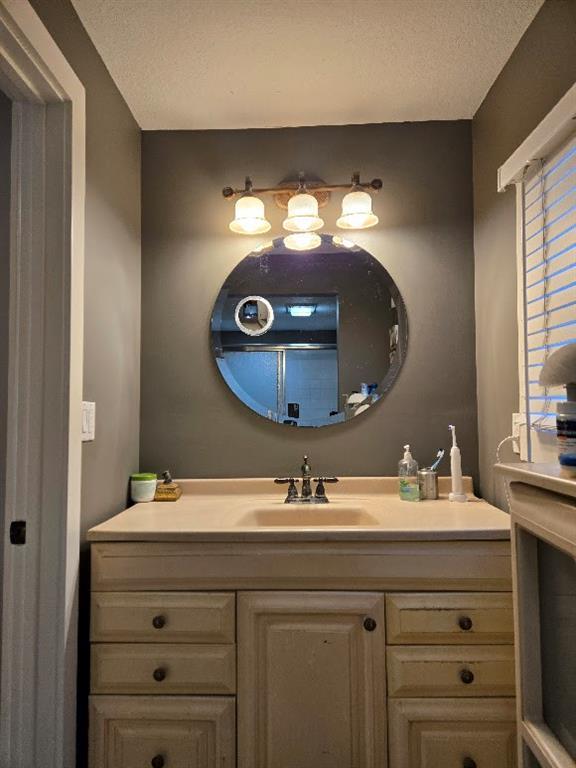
313, 187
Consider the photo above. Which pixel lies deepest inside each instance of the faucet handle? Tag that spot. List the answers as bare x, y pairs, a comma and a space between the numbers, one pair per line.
292, 490
320, 494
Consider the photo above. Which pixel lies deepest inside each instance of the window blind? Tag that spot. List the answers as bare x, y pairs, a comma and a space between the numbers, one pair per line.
549, 257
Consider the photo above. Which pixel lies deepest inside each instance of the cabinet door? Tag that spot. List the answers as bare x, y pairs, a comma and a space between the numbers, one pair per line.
161, 732
311, 680
452, 733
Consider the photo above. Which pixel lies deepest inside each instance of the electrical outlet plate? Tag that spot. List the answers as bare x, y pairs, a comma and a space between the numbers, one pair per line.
518, 421
88, 421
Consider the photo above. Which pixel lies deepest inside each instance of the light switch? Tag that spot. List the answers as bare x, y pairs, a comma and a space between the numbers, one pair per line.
88, 421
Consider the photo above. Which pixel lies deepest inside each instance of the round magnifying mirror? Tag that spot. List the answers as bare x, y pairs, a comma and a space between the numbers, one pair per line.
310, 338
254, 315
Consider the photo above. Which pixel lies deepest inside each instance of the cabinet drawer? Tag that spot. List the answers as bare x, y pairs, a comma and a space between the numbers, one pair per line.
430, 619
176, 732
163, 617
451, 733
163, 668
451, 671
138, 566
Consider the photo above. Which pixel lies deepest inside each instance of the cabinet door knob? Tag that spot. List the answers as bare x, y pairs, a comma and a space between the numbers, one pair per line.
159, 674
370, 624
465, 623
158, 622
159, 762
468, 762
467, 677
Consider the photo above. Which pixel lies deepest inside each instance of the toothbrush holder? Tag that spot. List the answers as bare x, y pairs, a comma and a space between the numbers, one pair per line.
428, 483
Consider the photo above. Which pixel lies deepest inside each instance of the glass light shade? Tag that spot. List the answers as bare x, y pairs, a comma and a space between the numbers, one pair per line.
264, 246
342, 242
357, 211
302, 214
302, 241
249, 216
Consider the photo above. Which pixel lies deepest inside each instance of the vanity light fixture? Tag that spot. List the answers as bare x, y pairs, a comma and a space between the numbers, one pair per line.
302, 241
357, 208
249, 213
301, 310
302, 200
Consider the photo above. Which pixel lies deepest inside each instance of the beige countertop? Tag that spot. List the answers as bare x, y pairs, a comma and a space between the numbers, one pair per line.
550, 477
228, 510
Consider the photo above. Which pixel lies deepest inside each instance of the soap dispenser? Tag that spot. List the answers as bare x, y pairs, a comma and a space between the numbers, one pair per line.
408, 477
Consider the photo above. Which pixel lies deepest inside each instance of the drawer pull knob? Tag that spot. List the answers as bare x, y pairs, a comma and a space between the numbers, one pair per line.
467, 677
465, 623
159, 674
468, 762
158, 762
370, 624
158, 622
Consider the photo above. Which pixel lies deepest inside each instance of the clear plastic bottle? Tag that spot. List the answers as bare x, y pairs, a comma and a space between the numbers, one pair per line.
408, 477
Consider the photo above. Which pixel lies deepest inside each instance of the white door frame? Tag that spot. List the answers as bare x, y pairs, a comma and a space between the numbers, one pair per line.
43, 472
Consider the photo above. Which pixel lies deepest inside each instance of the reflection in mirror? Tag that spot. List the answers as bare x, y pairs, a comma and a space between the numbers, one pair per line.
327, 328
254, 315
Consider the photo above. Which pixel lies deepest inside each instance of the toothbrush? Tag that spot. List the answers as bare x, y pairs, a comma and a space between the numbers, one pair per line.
456, 469
439, 457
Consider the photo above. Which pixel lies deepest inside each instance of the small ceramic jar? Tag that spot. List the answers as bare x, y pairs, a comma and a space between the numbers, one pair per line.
143, 486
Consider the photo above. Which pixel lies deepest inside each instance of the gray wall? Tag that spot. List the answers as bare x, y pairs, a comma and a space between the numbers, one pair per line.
190, 421
112, 282
537, 75
5, 144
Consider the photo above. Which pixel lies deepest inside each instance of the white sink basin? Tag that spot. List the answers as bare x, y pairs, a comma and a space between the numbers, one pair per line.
302, 516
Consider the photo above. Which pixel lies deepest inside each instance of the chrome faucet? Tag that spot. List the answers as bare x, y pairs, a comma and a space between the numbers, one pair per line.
306, 497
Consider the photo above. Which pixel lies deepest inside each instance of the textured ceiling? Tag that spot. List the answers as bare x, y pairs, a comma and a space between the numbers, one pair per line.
193, 64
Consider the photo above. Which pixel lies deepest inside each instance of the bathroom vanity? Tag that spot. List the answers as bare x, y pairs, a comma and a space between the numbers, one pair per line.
229, 629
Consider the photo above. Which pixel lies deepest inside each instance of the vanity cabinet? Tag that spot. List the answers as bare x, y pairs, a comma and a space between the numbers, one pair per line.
361, 654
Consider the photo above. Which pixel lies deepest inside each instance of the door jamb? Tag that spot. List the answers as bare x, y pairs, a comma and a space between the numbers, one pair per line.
43, 465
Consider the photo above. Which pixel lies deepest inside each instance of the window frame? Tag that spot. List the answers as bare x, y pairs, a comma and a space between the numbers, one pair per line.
556, 128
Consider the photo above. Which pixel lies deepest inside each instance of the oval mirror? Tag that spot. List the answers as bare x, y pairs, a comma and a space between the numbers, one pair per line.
309, 338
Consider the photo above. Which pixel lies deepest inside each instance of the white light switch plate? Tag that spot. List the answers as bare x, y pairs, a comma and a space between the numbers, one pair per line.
88, 421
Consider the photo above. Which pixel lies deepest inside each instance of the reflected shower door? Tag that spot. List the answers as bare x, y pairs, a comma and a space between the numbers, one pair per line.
254, 380
311, 381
